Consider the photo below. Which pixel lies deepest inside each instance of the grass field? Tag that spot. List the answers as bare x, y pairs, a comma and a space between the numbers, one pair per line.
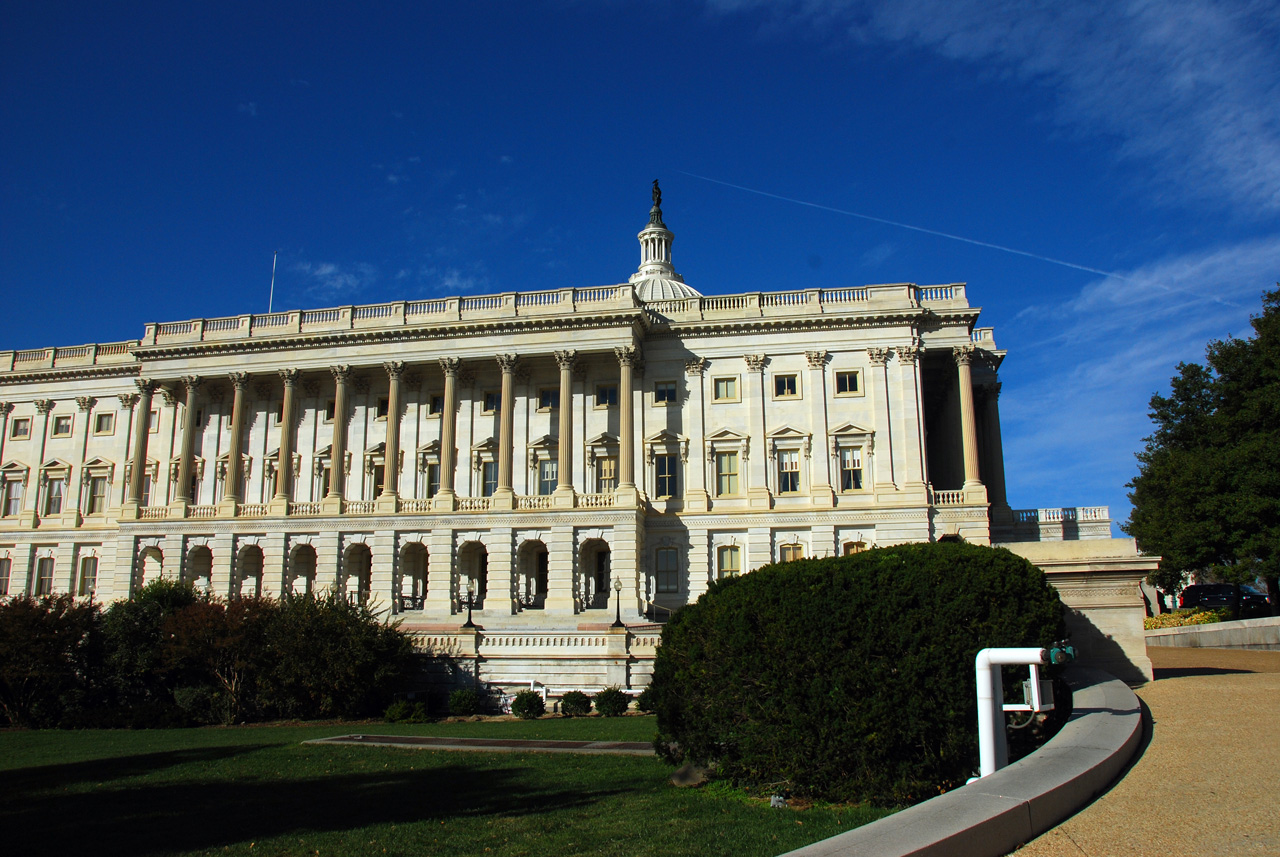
257, 790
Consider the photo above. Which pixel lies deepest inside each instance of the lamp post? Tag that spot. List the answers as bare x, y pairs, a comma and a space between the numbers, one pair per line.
470, 602
617, 603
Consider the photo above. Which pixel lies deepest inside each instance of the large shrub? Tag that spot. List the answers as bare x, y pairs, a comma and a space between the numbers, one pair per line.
575, 703
528, 705
849, 678
50, 658
611, 702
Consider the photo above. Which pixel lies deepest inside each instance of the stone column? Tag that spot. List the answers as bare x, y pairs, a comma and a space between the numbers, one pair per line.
968, 427
628, 356
142, 416
754, 474
284, 465
387, 502
878, 387
820, 490
504, 496
913, 451
448, 435
182, 496
231, 495
564, 461
695, 491
338, 444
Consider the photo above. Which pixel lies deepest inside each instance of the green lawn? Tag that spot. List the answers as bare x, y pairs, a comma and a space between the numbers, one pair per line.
259, 790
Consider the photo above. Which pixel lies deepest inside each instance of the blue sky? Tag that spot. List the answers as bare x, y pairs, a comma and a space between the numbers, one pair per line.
156, 154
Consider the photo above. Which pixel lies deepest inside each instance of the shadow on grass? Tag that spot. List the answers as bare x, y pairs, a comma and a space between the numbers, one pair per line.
1184, 672
190, 814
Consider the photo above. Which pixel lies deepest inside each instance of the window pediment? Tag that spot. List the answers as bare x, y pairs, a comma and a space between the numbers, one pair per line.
851, 434
666, 443
789, 437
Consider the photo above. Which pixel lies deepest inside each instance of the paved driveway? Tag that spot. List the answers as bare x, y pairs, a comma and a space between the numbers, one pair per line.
1208, 783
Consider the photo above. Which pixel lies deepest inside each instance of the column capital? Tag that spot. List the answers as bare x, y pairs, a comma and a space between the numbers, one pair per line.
43, 406
239, 380
696, 366
450, 366
145, 385
964, 354
394, 368
566, 359
289, 376
507, 362
86, 403
6, 407
879, 356
909, 353
628, 355
755, 362
169, 396
817, 359
192, 383
127, 400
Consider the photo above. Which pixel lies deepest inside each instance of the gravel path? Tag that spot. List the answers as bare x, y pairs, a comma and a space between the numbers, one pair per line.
1208, 783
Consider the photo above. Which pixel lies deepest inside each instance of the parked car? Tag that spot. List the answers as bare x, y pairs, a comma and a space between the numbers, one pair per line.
1213, 595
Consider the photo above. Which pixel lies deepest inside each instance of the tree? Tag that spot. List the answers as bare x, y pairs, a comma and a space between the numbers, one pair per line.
1207, 493
50, 650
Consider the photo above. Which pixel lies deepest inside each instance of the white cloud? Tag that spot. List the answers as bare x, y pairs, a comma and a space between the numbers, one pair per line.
328, 281
1081, 374
1190, 86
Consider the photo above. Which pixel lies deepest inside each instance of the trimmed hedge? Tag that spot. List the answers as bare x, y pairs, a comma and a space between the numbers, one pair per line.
611, 702
575, 703
528, 705
849, 678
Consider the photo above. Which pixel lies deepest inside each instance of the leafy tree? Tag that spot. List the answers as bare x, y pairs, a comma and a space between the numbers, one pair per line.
50, 652
1207, 493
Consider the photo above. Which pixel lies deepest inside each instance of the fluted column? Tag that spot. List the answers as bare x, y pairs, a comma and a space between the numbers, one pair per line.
819, 465
284, 465
878, 388
564, 449
968, 426
391, 458
183, 494
504, 493
915, 473
141, 418
628, 356
448, 433
231, 492
338, 440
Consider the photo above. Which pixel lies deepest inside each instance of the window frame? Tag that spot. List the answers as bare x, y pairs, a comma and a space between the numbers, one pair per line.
6, 575
606, 472
722, 568
98, 430
548, 399
82, 579
734, 396
859, 386
490, 402
782, 378
673, 476
795, 549
606, 396
789, 478
20, 428
548, 478
43, 575
666, 581
855, 451
726, 455
61, 425
666, 394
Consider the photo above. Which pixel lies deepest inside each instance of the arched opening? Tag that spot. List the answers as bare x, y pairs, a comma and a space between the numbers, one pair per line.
531, 584
850, 548
199, 570
473, 574
413, 576
248, 578
596, 573
357, 577
302, 562
150, 565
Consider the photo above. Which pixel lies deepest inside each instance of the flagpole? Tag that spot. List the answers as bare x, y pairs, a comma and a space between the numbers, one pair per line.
271, 299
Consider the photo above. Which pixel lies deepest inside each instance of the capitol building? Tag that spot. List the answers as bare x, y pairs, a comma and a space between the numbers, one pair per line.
532, 482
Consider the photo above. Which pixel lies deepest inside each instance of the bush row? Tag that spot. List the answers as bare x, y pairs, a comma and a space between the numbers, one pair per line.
175, 656
1181, 618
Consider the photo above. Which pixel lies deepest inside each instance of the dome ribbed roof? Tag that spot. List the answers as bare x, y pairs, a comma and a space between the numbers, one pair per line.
660, 288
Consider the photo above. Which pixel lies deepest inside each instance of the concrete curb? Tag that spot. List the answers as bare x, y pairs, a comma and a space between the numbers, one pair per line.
998, 813
1260, 634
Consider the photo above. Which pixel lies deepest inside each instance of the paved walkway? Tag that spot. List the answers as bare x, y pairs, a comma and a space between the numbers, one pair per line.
625, 748
1208, 783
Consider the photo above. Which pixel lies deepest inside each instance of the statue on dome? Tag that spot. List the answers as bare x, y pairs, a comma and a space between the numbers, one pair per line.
657, 195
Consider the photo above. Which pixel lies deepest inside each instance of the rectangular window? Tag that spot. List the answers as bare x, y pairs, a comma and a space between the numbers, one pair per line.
606, 395
850, 548
6, 570
667, 566
330, 408
384, 404
606, 475
850, 469
153, 420
786, 386
725, 389
488, 478
492, 401
788, 471
326, 479
433, 480
848, 383
20, 428
44, 576
104, 424
195, 489
787, 553
435, 406
62, 426
726, 474
548, 398
97, 498
547, 476
728, 561
664, 472
664, 393
88, 576
53, 492
146, 488
12, 497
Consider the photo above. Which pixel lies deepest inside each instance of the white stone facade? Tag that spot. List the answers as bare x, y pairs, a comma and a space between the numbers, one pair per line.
573, 456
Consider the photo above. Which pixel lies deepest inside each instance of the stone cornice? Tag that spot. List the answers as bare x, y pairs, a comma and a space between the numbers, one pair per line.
125, 370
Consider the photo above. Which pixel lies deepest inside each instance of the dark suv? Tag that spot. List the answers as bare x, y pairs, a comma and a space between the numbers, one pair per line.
1213, 595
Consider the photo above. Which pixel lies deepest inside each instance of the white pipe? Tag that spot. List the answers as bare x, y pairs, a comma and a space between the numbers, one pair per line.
993, 752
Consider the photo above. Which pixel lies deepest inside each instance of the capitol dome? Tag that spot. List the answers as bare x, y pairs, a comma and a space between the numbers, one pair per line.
657, 280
